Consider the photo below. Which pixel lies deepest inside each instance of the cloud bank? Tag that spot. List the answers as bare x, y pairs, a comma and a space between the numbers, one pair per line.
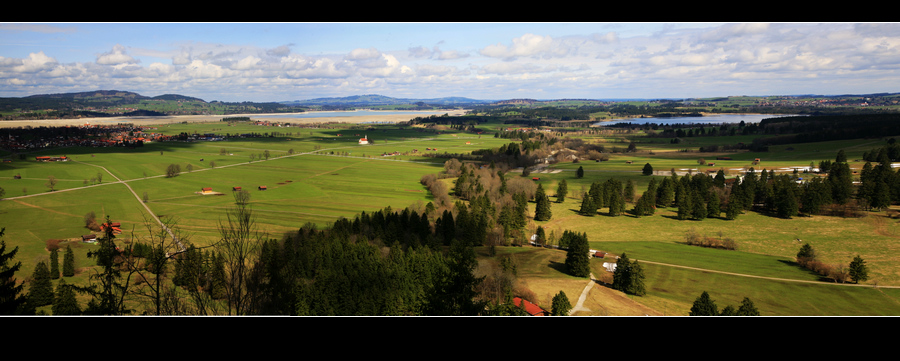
732, 59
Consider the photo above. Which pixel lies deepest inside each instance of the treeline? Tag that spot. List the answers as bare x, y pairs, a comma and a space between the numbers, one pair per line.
807, 129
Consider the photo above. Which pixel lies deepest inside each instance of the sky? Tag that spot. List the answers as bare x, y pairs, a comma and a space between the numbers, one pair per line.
263, 62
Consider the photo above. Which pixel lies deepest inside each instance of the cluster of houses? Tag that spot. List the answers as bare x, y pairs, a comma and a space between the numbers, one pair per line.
33, 138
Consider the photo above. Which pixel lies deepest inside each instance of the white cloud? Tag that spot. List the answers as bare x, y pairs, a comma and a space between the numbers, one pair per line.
35, 62
115, 57
525, 45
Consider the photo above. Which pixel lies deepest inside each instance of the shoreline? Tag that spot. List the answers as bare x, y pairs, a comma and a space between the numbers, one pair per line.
272, 117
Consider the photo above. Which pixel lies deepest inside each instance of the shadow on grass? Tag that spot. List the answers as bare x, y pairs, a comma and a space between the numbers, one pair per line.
559, 266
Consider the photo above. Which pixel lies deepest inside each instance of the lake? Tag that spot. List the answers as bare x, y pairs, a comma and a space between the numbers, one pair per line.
357, 113
711, 119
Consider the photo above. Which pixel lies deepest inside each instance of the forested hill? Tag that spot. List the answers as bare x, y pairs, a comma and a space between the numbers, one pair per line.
102, 103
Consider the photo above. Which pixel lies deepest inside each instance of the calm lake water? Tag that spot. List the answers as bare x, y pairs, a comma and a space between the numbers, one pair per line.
711, 119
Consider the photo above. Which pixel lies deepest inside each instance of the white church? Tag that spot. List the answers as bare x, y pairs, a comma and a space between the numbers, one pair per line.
364, 140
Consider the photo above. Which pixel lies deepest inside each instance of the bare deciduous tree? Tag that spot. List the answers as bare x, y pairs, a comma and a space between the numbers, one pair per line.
240, 247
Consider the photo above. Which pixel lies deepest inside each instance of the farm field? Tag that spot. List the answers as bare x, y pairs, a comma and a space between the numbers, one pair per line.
317, 175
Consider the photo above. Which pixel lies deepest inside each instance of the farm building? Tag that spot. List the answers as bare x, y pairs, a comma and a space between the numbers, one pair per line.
532, 309
235, 189
262, 188
89, 238
206, 190
51, 159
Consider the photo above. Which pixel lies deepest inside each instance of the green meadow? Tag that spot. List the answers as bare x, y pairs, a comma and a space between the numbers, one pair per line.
317, 175
310, 176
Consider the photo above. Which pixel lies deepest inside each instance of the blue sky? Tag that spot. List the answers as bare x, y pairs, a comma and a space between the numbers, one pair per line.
290, 61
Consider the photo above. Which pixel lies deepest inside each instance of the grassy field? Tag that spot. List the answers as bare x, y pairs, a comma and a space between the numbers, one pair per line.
320, 174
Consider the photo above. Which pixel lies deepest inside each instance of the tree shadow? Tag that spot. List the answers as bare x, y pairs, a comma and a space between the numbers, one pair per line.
559, 266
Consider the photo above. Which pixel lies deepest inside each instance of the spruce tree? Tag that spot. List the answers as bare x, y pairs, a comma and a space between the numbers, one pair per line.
616, 202
622, 273
54, 264
733, 209
636, 285
587, 206
578, 254
713, 208
648, 169
12, 298
65, 303
685, 204
747, 308
580, 172
542, 209
561, 190
704, 306
629, 191
858, 270
561, 305
68, 263
41, 291
699, 209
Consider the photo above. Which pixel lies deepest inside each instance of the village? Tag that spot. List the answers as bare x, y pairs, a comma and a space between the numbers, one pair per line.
87, 135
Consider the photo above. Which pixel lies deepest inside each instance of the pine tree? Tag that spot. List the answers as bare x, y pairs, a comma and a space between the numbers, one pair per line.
561, 305
665, 193
587, 206
65, 302
41, 291
636, 286
858, 270
542, 209
54, 264
733, 209
747, 308
685, 204
12, 299
713, 208
648, 169
616, 202
561, 190
629, 191
644, 205
622, 274
580, 172
578, 254
704, 306
699, 209
68, 263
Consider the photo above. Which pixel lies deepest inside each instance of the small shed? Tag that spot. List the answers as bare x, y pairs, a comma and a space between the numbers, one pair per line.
89, 238
206, 190
262, 188
235, 189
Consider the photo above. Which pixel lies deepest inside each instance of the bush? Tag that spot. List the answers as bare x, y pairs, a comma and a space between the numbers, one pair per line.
53, 244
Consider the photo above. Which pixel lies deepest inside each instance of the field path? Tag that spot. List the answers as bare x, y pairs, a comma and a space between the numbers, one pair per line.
579, 306
770, 278
161, 224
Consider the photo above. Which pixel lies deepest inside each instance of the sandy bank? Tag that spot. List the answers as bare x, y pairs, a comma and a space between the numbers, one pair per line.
338, 117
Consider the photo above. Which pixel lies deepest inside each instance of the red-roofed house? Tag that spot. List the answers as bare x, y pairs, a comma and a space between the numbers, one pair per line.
531, 308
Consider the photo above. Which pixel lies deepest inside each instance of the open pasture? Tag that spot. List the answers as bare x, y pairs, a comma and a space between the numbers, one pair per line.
308, 178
